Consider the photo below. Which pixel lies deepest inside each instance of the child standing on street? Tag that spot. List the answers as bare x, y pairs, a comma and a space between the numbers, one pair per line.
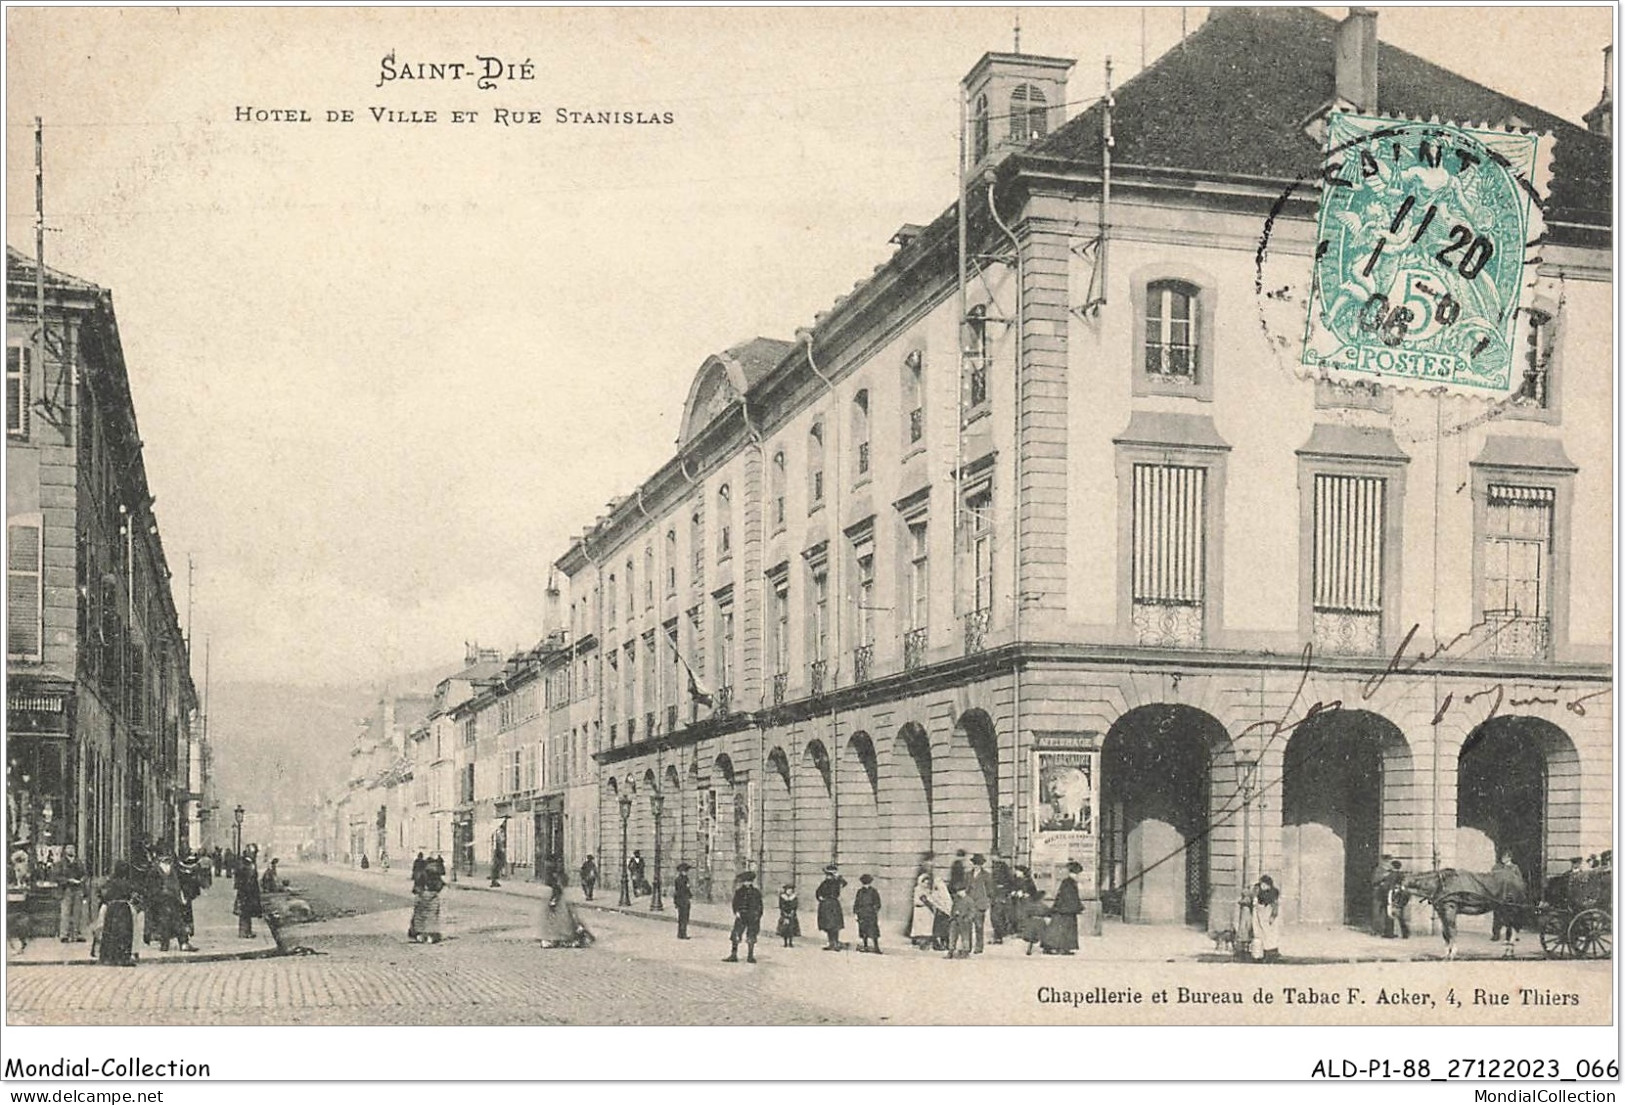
866, 905
789, 923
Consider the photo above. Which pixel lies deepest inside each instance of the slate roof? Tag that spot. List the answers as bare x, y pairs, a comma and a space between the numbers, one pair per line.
20, 267
759, 356
1234, 97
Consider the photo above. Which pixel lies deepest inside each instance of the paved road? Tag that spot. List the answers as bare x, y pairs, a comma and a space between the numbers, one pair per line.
490, 970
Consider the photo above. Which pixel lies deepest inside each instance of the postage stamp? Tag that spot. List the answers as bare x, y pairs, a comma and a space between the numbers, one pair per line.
1426, 232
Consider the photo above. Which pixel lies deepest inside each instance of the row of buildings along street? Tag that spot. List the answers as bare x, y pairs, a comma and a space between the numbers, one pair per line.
1039, 543
105, 750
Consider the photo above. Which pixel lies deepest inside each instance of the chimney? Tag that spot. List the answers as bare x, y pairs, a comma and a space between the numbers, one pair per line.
1357, 59
550, 610
1600, 119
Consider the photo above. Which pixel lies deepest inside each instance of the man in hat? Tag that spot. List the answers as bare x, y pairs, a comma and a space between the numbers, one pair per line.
1002, 915
747, 906
831, 920
589, 876
979, 889
682, 896
69, 875
1379, 895
634, 873
1399, 898
956, 872
866, 906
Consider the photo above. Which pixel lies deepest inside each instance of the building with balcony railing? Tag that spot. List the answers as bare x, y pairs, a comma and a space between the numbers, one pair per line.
1015, 551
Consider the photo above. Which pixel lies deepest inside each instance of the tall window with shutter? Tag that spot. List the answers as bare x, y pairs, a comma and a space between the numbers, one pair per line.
780, 479
815, 466
1518, 569
19, 373
25, 597
1347, 563
724, 523
1169, 554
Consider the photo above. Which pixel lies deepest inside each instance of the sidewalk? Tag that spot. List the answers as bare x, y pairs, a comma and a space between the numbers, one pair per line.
1118, 942
215, 938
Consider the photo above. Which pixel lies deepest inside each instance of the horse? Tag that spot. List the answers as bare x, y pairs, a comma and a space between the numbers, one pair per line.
1451, 892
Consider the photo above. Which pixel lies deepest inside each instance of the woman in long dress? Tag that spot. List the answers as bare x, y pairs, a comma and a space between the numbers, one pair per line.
1266, 921
922, 920
560, 927
1061, 934
942, 908
114, 931
424, 927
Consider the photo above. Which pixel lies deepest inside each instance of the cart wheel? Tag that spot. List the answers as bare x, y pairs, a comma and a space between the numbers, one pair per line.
1591, 934
1554, 935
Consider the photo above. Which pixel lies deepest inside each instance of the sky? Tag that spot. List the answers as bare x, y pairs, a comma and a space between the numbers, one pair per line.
386, 371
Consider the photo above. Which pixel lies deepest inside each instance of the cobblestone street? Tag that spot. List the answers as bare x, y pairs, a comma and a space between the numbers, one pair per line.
490, 970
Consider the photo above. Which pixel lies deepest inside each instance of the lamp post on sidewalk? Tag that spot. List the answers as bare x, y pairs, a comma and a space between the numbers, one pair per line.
657, 806
626, 814
237, 830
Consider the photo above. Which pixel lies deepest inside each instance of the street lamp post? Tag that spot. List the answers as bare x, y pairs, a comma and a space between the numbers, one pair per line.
626, 813
237, 830
657, 806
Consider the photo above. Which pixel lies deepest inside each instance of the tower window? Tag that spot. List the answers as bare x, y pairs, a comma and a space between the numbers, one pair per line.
1029, 116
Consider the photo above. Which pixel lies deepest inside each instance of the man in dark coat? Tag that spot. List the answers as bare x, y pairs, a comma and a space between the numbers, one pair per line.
979, 889
69, 875
831, 920
1003, 912
166, 905
417, 869
499, 863
956, 873
682, 896
866, 907
589, 876
1379, 896
1061, 936
247, 904
634, 873
747, 906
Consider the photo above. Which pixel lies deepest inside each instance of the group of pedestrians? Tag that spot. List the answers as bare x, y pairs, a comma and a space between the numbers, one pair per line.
948, 915
954, 913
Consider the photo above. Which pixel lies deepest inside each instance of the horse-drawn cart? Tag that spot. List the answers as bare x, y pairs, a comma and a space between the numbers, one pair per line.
1576, 917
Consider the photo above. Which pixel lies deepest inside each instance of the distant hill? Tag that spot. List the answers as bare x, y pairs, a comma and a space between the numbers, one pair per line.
278, 747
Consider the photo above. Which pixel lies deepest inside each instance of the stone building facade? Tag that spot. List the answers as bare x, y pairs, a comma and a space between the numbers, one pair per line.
101, 709
1079, 564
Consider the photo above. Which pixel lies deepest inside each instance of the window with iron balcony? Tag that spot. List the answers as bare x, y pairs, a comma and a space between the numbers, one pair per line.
1174, 319
1348, 560
978, 353
1168, 554
1517, 571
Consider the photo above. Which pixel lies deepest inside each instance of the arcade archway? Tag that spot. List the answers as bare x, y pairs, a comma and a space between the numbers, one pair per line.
1517, 794
1339, 777
1155, 781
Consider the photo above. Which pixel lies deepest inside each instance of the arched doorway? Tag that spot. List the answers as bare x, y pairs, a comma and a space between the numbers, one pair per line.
724, 832
671, 826
906, 795
815, 813
858, 787
1517, 793
778, 815
975, 729
1155, 813
1339, 777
